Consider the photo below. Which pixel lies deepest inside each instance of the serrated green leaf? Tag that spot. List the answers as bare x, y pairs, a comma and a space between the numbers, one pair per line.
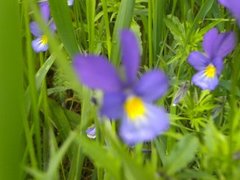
183, 153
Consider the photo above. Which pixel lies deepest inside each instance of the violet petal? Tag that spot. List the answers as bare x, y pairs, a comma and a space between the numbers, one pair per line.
35, 30
198, 60
152, 85
233, 6
130, 54
112, 106
153, 124
209, 42
218, 63
97, 72
52, 26
225, 43
202, 81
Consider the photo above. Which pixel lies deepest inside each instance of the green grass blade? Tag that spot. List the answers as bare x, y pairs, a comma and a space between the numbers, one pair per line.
61, 15
124, 19
205, 8
11, 91
90, 20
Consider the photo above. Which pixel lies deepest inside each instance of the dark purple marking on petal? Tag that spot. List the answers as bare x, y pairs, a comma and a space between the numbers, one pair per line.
38, 46
202, 81
97, 72
151, 86
155, 123
198, 60
112, 105
130, 54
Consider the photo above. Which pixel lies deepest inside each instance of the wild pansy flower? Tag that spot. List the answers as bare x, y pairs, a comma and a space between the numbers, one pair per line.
128, 99
40, 44
210, 63
233, 6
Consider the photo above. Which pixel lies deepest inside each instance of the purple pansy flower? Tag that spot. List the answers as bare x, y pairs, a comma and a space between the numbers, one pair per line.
40, 44
233, 6
128, 99
210, 64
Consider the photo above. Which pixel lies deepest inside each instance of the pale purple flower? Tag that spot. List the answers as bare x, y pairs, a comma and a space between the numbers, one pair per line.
40, 44
128, 99
233, 6
70, 2
210, 63
91, 132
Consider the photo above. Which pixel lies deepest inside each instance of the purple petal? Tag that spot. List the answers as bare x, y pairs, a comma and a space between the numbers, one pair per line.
218, 44
233, 6
112, 106
96, 72
152, 85
35, 30
209, 42
154, 123
202, 81
130, 54
52, 26
225, 2
198, 60
218, 63
45, 10
225, 43
38, 46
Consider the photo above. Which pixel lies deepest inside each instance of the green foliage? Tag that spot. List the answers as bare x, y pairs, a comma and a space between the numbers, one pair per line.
203, 141
183, 153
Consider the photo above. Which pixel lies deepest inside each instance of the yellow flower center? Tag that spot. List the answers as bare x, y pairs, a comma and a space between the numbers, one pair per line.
44, 39
134, 107
210, 71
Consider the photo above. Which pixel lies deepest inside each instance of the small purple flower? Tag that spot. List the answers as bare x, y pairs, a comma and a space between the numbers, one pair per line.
233, 6
70, 2
40, 44
210, 64
91, 132
128, 99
